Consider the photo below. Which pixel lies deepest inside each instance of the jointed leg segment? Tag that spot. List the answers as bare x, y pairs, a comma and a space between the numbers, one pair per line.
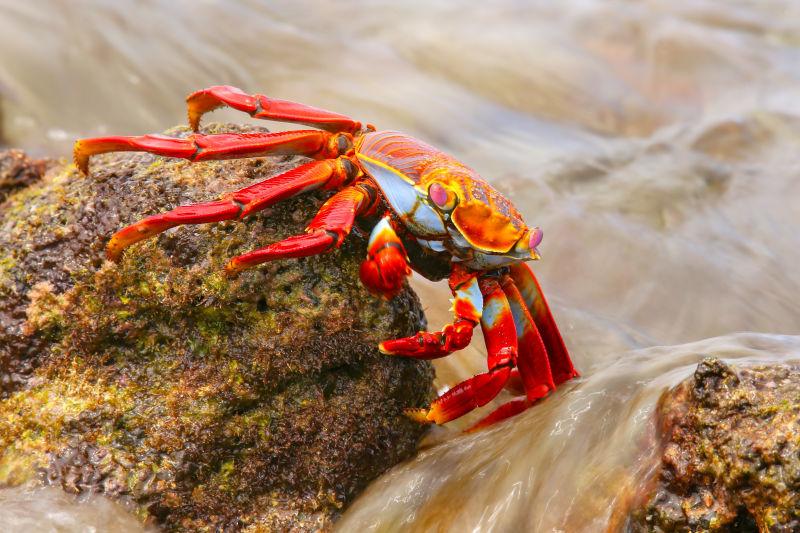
534, 300
532, 362
239, 204
501, 345
260, 106
513, 340
328, 230
198, 147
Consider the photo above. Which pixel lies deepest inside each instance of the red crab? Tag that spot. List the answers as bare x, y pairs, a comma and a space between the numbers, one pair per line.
434, 214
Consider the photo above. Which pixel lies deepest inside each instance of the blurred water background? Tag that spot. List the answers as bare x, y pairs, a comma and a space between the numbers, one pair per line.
656, 142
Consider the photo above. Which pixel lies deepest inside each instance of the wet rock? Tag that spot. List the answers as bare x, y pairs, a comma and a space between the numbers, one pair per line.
201, 402
731, 453
17, 170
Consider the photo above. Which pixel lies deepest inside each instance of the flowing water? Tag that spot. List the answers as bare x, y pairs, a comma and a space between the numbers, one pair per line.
657, 144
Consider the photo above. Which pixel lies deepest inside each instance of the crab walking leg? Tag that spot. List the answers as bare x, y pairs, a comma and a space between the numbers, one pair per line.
328, 173
467, 308
560, 362
264, 107
507, 410
386, 266
328, 230
497, 323
532, 361
198, 147
500, 335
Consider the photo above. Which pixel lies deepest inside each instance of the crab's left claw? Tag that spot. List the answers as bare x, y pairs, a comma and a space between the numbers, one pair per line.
386, 267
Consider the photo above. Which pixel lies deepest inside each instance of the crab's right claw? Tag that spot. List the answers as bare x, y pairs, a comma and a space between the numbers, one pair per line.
426, 345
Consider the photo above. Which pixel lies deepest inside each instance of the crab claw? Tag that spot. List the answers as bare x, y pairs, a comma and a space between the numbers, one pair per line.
426, 345
385, 272
386, 267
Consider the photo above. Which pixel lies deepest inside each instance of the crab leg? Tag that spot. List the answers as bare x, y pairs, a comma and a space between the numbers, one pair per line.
501, 346
532, 362
386, 265
327, 174
560, 362
467, 308
506, 410
198, 147
260, 106
327, 230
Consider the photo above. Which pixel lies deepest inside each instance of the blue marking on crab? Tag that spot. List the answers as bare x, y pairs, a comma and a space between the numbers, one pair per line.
405, 200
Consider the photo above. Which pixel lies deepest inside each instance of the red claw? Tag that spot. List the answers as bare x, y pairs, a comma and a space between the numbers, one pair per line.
385, 273
426, 345
386, 266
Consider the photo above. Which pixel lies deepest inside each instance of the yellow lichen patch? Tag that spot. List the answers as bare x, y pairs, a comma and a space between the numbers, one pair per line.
33, 421
485, 228
6, 265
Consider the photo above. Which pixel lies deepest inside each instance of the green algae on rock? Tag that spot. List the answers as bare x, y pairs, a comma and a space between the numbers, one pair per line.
201, 402
730, 453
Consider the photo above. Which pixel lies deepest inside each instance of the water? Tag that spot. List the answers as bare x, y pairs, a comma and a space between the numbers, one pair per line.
657, 143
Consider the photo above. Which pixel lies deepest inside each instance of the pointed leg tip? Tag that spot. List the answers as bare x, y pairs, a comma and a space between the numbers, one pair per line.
113, 255
539, 392
79, 158
114, 249
384, 349
233, 269
418, 415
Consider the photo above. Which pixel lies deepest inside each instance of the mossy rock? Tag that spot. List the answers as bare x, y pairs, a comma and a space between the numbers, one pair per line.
730, 453
201, 402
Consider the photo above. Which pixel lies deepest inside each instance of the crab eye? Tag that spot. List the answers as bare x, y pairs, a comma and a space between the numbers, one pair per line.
536, 238
443, 198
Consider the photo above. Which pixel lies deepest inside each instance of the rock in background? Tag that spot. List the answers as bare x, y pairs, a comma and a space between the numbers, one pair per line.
200, 402
731, 453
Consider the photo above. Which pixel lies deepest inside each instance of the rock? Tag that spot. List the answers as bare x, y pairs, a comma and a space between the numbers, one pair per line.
202, 403
17, 170
731, 453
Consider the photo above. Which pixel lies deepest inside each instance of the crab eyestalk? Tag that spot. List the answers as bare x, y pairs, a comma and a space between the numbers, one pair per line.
526, 247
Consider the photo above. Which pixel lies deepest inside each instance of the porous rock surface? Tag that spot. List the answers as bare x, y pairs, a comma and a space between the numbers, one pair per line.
203, 403
731, 453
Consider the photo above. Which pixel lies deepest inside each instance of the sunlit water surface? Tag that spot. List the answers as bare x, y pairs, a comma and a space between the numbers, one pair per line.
657, 143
